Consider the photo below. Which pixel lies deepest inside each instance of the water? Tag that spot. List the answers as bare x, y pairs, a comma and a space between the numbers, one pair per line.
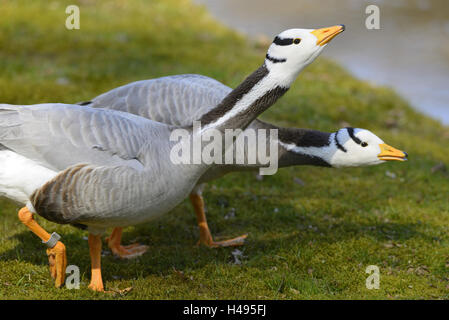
410, 52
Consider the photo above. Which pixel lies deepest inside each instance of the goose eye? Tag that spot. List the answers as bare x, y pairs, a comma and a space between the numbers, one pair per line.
364, 144
297, 41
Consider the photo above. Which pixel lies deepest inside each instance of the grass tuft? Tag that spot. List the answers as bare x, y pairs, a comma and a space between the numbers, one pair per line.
305, 242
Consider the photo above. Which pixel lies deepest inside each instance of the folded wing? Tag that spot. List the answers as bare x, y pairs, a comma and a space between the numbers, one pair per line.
175, 100
58, 135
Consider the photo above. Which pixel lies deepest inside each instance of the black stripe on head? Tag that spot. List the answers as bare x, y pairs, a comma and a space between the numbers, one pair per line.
339, 146
85, 103
353, 137
274, 60
283, 42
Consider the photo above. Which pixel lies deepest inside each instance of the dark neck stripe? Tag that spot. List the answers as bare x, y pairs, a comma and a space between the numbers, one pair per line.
283, 42
234, 96
317, 161
296, 159
353, 137
304, 137
288, 158
300, 138
274, 60
339, 146
259, 105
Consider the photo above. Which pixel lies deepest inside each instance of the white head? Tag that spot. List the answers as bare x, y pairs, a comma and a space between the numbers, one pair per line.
348, 147
294, 49
355, 147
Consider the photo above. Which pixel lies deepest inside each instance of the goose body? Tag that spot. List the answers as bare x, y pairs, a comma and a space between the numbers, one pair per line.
108, 168
180, 99
118, 154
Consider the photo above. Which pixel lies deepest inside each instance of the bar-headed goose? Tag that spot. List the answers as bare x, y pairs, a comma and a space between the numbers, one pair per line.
104, 168
180, 99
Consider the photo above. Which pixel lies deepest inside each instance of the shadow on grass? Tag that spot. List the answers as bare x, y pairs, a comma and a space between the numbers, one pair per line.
172, 239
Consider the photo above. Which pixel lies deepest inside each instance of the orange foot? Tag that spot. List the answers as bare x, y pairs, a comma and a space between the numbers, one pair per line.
208, 241
96, 286
58, 262
205, 235
56, 255
128, 252
124, 252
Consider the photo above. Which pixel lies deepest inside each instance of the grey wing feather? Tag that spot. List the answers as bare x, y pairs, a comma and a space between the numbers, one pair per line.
175, 100
58, 136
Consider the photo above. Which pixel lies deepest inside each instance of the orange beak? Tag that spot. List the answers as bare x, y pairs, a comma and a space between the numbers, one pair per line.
325, 35
389, 153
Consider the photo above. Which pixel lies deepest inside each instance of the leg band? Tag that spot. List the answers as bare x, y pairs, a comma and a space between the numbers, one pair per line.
54, 238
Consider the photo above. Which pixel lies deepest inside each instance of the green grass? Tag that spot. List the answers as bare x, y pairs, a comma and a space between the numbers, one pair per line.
305, 242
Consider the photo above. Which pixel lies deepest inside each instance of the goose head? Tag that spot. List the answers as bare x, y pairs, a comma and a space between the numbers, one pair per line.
353, 147
294, 49
347, 147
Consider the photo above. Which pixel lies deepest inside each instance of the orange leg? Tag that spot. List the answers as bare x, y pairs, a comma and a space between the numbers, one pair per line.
96, 282
205, 235
124, 252
56, 255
